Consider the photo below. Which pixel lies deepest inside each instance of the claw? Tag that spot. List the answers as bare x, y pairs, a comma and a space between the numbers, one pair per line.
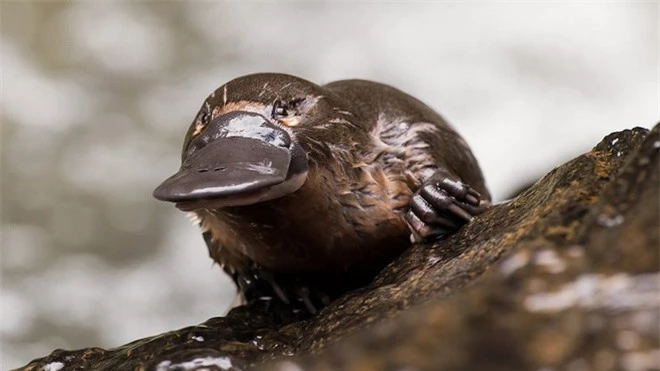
419, 231
303, 293
471, 199
258, 284
276, 287
458, 211
441, 206
418, 228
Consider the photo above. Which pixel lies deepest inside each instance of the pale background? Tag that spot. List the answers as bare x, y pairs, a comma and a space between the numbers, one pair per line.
96, 98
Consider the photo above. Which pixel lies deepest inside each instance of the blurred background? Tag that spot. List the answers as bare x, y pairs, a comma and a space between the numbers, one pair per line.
96, 98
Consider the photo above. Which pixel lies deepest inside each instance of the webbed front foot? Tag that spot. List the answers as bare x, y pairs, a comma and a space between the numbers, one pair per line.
441, 206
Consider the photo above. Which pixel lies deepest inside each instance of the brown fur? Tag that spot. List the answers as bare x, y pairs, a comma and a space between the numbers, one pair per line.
369, 146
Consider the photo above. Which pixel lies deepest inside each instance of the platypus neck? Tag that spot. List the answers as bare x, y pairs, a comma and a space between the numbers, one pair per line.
335, 220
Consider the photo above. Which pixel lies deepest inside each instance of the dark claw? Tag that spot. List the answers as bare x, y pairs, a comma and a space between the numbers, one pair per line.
256, 284
472, 199
435, 196
274, 285
303, 294
423, 210
452, 186
454, 208
475, 210
421, 230
427, 214
441, 206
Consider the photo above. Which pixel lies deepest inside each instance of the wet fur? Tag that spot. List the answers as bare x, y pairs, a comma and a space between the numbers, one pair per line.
370, 147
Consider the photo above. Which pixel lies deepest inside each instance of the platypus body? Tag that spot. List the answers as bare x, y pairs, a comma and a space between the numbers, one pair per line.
303, 191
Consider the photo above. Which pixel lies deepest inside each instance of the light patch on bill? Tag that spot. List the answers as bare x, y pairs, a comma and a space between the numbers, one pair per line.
266, 167
229, 188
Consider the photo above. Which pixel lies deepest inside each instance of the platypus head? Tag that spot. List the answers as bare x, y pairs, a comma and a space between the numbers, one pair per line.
252, 141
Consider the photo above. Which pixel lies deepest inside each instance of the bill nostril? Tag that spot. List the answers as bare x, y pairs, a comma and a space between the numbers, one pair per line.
217, 168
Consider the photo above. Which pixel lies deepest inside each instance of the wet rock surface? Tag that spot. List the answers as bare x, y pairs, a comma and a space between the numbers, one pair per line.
565, 276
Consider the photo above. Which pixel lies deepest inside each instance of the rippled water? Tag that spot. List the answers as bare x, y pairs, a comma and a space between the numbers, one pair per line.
96, 98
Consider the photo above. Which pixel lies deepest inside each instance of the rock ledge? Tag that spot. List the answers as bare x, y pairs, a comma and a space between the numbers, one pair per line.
565, 276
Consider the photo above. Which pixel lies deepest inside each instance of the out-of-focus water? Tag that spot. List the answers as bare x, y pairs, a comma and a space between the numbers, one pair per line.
96, 98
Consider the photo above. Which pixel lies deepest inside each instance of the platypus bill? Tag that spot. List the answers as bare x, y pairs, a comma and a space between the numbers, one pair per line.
305, 191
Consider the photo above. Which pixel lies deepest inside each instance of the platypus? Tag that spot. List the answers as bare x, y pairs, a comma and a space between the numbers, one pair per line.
303, 191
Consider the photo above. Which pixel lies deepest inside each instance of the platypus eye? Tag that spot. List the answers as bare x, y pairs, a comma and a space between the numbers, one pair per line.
284, 109
202, 122
279, 110
204, 118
